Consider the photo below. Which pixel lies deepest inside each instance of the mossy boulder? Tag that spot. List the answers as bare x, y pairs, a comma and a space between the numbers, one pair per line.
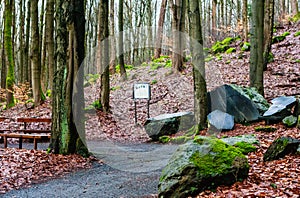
290, 121
204, 163
297, 34
168, 124
280, 148
265, 129
222, 46
230, 50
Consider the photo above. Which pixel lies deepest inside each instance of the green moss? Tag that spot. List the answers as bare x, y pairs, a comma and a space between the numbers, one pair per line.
228, 62
168, 64
270, 57
227, 41
153, 82
265, 129
208, 58
230, 50
164, 139
218, 47
245, 147
115, 88
155, 66
219, 57
296, 17
245, 46
48, 93
297, 34
180, 139
280, 38
224, 154
290, 121
127, 67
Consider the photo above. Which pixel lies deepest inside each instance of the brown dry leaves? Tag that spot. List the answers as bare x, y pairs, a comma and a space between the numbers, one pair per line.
20, 167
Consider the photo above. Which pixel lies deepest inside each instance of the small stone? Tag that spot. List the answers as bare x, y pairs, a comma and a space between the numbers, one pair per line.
290, 121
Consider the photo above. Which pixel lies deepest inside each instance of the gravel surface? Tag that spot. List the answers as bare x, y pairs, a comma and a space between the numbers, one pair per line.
136, 175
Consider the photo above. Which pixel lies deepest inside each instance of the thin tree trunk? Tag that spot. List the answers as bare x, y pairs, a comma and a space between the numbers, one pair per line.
3, 57
112, 63
214, 19
257, 46
294, 5
8, 45
35, 54
104, 55
121, 42
268, 30
27, 67
200, 92
50, 40
245, 20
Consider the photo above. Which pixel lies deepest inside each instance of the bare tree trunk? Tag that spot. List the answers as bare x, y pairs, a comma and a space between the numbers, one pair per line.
294, 5
9, 52
200, 92
121, 42
104, 55
50, 40
35, 54
159, 37
3, 57
27, 67
268, 30
112, 63
214, 19
257, 46
245, 20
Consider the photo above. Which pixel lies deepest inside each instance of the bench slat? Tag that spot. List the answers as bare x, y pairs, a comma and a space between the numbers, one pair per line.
32, 131
34, 120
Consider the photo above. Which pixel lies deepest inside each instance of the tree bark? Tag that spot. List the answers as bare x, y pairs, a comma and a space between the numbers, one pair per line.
214, 19
35, 54
268, 30
103, 60
8, 45
200, 92
159, 36
245, 20
294, 5
121, 41
27, 67
50, 40
112, 63
257, 46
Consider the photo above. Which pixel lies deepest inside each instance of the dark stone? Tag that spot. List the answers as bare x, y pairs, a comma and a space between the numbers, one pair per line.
227, 99
204, 163
280, 104
168, 124
281, 147
220, 120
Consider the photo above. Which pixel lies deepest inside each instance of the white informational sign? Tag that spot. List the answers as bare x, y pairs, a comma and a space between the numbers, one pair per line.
141, 91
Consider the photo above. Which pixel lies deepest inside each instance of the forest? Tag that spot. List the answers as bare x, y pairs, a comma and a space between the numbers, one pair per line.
76, 62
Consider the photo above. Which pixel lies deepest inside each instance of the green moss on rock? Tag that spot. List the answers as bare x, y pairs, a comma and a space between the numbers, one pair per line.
164, 139
245, 147
265, 128
245, 46
280, 38
230, 50
297, 34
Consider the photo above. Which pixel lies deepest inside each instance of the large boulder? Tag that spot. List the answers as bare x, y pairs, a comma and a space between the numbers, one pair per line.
168, 124
228, 99
281, 147
220, 121
201, 164
279, 109
251, 92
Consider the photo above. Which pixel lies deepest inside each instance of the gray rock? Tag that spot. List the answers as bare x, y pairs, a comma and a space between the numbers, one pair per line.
290, 121
201, 164
251, 139
168, 124
280, 148
220, 120
227, 99
251, 92
280, 104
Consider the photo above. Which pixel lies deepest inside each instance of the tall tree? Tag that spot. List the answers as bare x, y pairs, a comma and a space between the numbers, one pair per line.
245, 20
68, 95
50, 40
294, 6
35, 54
159, 36
257, 46
268, 30
8, 45
200, 92
121, 40
112, 62
177, 59
103, 60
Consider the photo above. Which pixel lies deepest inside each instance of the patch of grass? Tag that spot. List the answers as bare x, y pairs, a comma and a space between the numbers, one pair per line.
280, 38
297, 34
265, 128
230, 50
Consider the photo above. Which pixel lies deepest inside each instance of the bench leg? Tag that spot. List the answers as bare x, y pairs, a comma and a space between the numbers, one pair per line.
5, 141
35, 143
20, 142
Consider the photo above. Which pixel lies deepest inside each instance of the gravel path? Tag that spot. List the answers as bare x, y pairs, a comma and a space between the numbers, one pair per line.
129, 171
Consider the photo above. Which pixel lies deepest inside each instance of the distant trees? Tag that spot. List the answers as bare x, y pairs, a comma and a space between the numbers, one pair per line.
161, 20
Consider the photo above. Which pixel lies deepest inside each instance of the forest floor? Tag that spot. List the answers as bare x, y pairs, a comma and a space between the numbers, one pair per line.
120, 139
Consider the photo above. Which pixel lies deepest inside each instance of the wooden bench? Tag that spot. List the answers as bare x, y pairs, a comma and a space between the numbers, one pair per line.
21, 136
27, 133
